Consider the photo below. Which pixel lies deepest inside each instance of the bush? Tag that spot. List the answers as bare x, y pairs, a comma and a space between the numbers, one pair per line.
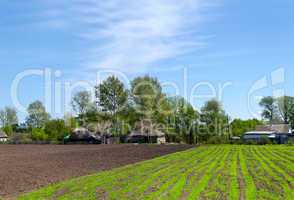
20, 138
217, 140
290, 142
38, 134
56, 130
8, 130
250, 142
264, 140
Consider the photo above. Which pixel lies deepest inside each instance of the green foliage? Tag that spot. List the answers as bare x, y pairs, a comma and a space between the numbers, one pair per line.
285, 106
268, 104
38, 134
291, 142
280, 110
111, 95
20, 138
217, 140
56, 130
215, 119
181, 118
37, 115
8, 130
239, 127
82, 104
147, 94
8, 116
206, 172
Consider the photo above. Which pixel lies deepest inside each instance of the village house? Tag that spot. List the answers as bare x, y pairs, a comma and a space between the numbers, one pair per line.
146, 132
82, 135
279, 133
3, 137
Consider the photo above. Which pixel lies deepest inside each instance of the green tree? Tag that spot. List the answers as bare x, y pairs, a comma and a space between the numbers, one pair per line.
8, 117
269, 107
82, 104
56, 129
239, 127
182, 118
215, 119
38, 134
37, 115
112, 98
285, 105
147, 96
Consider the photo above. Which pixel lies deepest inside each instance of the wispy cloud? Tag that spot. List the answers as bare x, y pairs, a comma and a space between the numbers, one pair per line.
133, 35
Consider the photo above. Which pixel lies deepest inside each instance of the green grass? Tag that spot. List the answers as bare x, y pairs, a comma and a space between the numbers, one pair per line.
207, 172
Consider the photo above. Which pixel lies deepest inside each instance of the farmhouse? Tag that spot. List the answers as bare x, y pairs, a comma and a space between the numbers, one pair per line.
279, 133
3, 137
146, 132
82, 135
147, 137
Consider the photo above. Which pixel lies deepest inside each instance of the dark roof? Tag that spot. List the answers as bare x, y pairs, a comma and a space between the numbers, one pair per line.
152, 133
277, 128
3, 135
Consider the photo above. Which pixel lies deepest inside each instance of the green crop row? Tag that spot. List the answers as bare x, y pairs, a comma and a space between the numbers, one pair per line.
206, 172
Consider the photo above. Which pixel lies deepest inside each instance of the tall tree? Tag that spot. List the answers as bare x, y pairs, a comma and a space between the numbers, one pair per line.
147, 95
8, 117
269, 107
285, 105
183, 118
112, 97
37, 115
214, 117
82, 103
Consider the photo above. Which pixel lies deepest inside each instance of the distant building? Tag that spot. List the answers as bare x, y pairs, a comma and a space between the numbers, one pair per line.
82, 135
3, 137
280, 133
146, 132
155, 136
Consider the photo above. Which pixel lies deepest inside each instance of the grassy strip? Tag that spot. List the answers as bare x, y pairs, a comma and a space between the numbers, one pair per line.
250, 191
202, 184
170, 178
234, 187
280, 160
177, 189
278, 174
162, 176
194, 177
218, 186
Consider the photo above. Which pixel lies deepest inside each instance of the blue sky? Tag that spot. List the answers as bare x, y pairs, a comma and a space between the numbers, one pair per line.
215, 41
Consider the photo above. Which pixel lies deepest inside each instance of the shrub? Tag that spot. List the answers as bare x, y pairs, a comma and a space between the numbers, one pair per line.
20, 138
290, 142
217, 140
264, 140
56, 130
38, 134
8, 130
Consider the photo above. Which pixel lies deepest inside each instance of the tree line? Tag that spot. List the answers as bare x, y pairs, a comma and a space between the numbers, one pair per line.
116, 111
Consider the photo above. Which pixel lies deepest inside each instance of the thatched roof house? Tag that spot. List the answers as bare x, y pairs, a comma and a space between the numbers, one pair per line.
146, 132
3, 137
82, 135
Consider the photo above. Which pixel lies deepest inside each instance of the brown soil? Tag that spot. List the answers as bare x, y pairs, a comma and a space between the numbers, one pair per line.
25, 168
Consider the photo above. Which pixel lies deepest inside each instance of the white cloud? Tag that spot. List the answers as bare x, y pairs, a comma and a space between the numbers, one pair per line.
133, 35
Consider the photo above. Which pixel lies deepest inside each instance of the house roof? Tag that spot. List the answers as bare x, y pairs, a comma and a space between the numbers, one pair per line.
260, 133
152, 133
276, 128
3, 135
